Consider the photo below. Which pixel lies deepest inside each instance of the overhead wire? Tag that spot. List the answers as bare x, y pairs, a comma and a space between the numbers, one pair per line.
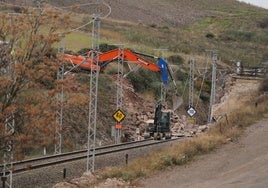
68, 7
88, 23
202, 84
184, 89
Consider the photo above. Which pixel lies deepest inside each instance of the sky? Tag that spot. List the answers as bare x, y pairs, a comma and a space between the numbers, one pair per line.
260, 3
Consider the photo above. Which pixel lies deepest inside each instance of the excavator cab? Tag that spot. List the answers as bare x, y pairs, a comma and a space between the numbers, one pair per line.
159, 127
162, 124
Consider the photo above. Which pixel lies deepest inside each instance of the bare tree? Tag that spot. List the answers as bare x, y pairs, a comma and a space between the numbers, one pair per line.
28, 67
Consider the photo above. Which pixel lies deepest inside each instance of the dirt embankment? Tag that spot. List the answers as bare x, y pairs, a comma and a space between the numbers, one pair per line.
236, 93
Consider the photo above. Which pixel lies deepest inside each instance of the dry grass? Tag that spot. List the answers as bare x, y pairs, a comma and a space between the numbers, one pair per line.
178, 154
227, 129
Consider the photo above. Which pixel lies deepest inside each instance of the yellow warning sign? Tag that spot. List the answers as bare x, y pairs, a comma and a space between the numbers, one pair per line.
119, 115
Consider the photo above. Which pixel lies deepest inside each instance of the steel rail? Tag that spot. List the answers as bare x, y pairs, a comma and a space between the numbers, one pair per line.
26, 165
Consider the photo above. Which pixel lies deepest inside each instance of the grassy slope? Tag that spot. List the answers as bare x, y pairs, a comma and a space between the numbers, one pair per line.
234, 27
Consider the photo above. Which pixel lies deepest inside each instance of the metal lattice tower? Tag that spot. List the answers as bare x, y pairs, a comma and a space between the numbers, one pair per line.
8, 139
119, 94
213, 86
59, 112
191, 82
59, 104
93, 97
8, 151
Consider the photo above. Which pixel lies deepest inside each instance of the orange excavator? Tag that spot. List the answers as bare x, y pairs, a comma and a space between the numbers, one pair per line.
100, 61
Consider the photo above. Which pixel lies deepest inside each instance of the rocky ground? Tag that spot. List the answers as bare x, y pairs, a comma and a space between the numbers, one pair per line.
140, 110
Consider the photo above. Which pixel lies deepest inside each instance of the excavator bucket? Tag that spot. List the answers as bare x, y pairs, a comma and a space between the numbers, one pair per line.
176, 102
164, 71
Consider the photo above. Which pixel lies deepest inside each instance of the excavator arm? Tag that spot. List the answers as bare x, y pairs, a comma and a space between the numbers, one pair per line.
103, 59
126, 55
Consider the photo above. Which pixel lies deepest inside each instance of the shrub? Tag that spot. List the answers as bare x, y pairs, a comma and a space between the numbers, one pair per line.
240, 35
264, 85
153, 25
263, 23
181, 76
210, 35
143, 80
127, 173
18, 9
176, 59
185, 49
103, 48
83, 51
107, 47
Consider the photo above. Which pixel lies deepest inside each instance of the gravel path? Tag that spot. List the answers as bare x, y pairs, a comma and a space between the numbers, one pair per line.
235, 165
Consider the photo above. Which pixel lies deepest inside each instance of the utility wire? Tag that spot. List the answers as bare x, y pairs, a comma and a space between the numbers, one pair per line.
68, 7
201, 87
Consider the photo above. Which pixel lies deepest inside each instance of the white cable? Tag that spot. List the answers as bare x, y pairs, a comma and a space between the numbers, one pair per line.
109, 7
186, 83
60, 8
201, 87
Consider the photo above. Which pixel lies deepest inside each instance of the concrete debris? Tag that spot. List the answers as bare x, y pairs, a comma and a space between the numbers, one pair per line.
202, 128
180, 126
140, 110
84, 181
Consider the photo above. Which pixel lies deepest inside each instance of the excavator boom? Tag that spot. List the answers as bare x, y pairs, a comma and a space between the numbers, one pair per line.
127, 55
85, 62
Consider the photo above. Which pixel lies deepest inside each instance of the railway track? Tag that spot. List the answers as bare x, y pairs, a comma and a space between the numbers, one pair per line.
27, 165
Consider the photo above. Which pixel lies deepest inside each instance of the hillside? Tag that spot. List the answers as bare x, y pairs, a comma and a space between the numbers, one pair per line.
178, 30
237, 30
184, 28
170, 13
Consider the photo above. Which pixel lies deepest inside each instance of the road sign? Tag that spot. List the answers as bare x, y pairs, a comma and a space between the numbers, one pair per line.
191, 120
118, 126
119, 115
191, 111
